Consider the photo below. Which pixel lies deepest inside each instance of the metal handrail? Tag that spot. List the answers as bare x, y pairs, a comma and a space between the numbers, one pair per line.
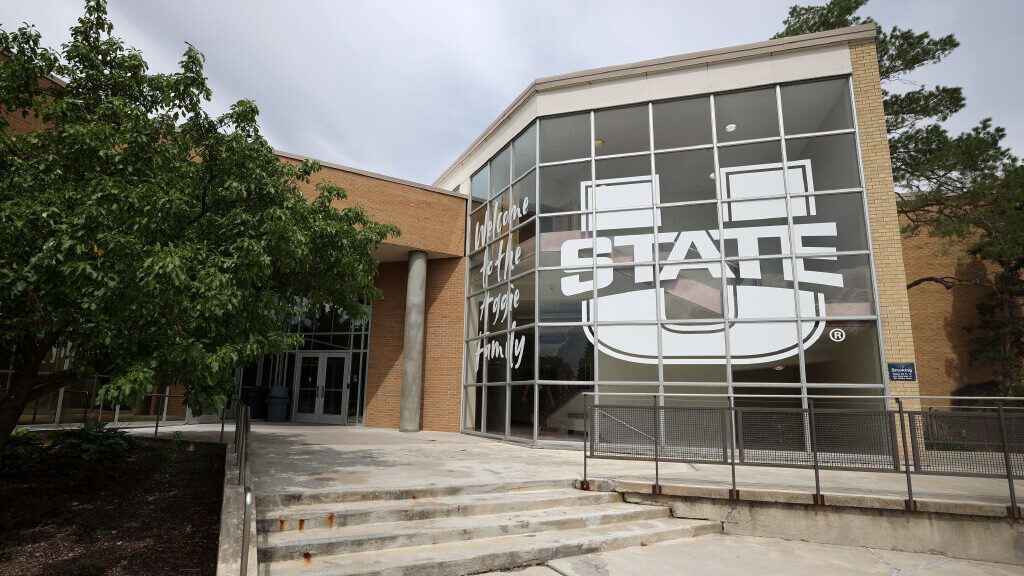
842, 457
241, 444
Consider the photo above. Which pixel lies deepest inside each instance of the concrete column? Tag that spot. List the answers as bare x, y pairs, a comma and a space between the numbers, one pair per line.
412, 355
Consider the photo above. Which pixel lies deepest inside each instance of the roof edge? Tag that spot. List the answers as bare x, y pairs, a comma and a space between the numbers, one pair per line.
849, 34
369, 174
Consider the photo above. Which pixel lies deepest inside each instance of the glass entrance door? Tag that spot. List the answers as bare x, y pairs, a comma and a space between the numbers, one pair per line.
321, 387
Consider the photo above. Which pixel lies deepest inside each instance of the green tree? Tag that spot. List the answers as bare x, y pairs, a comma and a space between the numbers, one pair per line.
965, 188
152, 241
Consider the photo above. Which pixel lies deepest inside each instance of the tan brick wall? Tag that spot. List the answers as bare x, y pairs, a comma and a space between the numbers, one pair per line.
941, 317
442, 361
897, 333
429, 220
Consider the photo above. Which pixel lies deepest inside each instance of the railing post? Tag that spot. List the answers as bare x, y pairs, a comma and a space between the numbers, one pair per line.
656, 488
910, 504
818, 497
243, 568
222, 425
585, 485
1012, 510
728, 415
156, 425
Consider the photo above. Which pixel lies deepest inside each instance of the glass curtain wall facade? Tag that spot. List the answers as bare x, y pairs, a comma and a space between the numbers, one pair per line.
714, 244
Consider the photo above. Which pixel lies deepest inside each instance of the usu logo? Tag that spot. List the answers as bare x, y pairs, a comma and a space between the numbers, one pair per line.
750, 342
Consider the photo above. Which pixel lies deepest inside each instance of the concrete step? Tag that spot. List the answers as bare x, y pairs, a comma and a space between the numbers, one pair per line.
334, 495
295, 545
499, 553
334, 515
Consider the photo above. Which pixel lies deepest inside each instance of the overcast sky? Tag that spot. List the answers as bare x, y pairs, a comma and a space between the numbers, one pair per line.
403, 87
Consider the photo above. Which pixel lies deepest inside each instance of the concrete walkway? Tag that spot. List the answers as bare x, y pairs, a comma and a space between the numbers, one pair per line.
730, 555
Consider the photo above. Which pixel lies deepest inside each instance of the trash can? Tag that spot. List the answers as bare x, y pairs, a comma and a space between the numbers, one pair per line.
277, 404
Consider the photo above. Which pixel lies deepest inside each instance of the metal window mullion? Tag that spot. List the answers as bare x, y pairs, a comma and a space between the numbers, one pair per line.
657, 256
536, 290
721, 248
792, 250
871, 249
592, 197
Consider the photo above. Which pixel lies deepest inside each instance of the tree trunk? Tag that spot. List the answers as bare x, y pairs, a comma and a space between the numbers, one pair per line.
28, 357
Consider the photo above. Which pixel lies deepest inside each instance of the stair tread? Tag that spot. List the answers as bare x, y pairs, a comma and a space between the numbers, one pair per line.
410, 527
421, 503
515, 549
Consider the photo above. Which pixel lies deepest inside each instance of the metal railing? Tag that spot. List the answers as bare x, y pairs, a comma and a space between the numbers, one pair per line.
977, 441
241, 446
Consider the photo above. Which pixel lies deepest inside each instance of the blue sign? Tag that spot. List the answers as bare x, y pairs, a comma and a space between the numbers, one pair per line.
902, 372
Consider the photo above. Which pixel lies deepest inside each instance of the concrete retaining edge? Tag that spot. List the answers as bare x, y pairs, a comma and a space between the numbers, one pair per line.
229, 551
972, 531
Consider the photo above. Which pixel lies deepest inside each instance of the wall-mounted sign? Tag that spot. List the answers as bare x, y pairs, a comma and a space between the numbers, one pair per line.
902, 372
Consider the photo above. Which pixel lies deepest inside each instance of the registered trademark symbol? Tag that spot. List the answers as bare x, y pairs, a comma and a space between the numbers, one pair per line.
837, 335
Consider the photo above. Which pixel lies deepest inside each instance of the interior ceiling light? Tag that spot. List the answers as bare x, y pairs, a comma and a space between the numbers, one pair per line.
711, 175
779, 368
730, 127
598, 143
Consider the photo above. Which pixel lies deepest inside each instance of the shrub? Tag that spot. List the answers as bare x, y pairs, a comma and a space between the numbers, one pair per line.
22, 451
92, 444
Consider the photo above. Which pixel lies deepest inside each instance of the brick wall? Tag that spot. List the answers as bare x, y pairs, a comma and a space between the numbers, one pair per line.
442, 360
894, 306
941, 317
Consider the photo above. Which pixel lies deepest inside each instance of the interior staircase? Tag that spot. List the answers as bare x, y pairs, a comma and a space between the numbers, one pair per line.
452, 530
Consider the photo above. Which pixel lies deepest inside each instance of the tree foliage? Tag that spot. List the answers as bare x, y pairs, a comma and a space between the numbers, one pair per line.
965, 188
153, 241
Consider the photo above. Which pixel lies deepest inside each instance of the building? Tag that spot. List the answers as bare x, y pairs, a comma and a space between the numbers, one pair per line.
711, 223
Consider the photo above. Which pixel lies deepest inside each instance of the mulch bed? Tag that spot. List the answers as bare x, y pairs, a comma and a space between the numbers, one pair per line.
157, 512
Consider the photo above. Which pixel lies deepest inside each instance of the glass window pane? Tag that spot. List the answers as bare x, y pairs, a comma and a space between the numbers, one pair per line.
524, 151
611, 168
476, 315
479, 183
626, 294
761, 288
474, 361
499, 213
755, 228
686, 176
562, 295
472, 408
694, 352
498, 309
524, 241
621, 130
565, 236
682, 123
521, 355
561, 412
636, 364
494, 267
566, 353
869, 398
565, 138
746, 115
496, 410
476, 272
494, 357
828, 162
817, 106
843, 353
690, 372
501, 167
828, 223
478, 229
838, 286
563, 187
524, 195
521, 415
759, 348
625, 236
523, 300
751, 170
688, 233
690, 294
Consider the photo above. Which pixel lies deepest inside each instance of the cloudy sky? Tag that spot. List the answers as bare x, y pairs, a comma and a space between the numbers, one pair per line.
403, 87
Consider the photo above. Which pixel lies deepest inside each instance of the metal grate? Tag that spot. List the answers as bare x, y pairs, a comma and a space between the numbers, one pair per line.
966, 443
